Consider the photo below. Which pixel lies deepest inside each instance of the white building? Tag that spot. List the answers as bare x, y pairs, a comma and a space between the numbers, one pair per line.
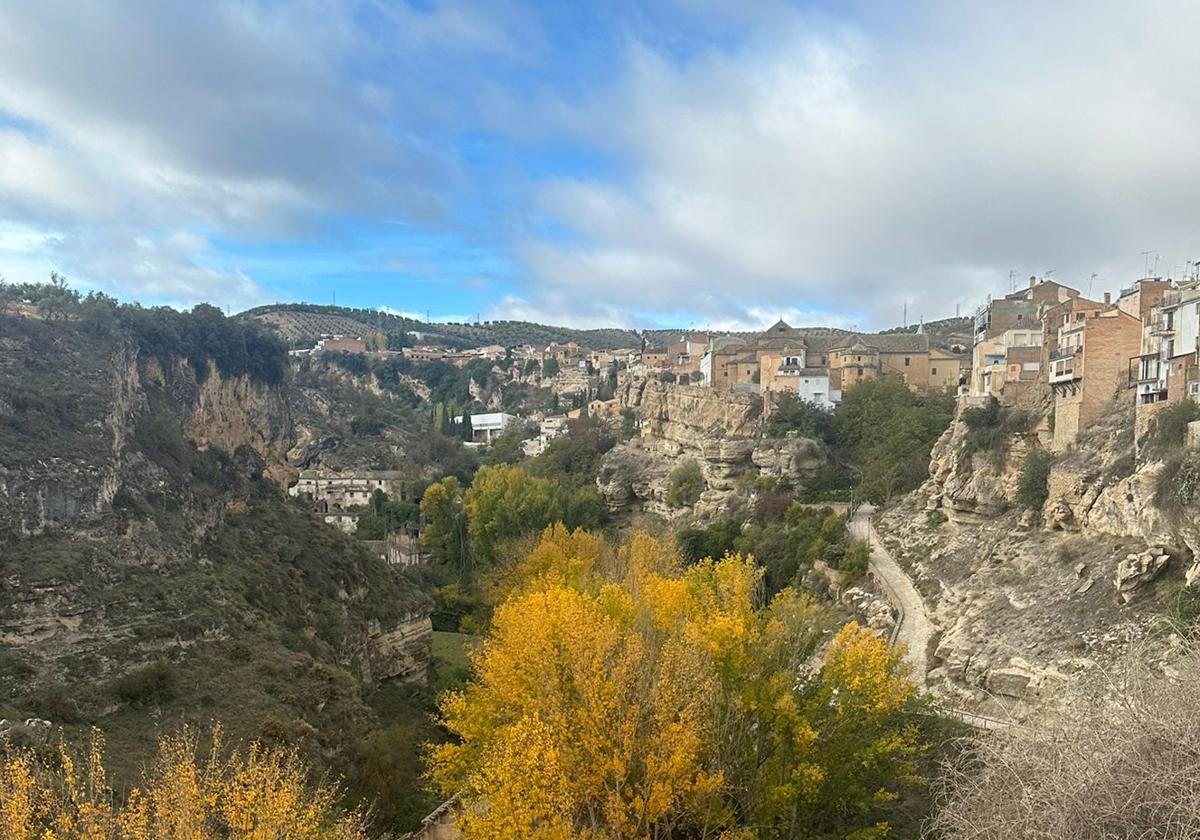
487, 427
347, 489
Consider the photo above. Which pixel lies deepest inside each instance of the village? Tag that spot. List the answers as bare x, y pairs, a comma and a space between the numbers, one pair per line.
1044, 342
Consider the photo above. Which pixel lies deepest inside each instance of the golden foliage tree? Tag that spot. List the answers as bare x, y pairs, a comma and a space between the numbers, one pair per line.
628, 697
254, 794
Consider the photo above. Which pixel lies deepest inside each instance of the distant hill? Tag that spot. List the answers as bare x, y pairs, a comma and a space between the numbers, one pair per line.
301, 324
943, 333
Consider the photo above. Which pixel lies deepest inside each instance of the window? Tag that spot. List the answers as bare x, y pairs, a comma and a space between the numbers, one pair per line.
1020, 316
933, 371
906, 361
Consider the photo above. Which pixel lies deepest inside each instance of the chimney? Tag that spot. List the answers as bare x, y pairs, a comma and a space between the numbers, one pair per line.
1107, 298
1032, 282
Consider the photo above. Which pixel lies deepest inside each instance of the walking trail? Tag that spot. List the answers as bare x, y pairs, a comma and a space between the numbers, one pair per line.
913, 628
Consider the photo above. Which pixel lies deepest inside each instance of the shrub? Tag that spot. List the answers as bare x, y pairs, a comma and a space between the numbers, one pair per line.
992, 427
1033, 484
935, 519
685, 485
855, 561
152, 685
1177, 486
793, 414
1118, 759
1169, 429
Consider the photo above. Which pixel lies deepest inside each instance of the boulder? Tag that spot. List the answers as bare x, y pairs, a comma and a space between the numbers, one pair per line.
1137, 570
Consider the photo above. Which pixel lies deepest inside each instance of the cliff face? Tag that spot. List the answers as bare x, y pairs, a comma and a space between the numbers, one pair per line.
719, 431
231, 413
1025, 600
141, 522
977, 487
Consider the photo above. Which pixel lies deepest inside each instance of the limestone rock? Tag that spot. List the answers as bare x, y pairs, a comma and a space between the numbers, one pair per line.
874, 611
719, 430
1137, 570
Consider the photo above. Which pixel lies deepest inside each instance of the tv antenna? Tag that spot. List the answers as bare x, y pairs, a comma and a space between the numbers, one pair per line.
1012, 280
1146, 268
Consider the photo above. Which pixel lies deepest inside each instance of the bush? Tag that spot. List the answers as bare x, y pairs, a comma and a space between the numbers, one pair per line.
1177, 486
1169, 430
991, 428
1033, 484
793, 414
855, 561
1118, 759
685, 485
152, 685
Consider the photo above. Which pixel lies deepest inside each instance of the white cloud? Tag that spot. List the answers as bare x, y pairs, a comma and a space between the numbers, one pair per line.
911, 158
225, 118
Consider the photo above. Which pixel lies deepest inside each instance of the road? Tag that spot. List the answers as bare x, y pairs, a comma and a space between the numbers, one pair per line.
914, 629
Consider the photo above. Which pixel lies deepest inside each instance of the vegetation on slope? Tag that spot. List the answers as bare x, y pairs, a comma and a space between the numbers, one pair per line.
621, 694
301, 324
881, 432
256, 791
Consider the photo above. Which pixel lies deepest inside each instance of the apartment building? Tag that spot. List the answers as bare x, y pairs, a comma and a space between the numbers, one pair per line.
1165, 370
1088, 369
1004, 330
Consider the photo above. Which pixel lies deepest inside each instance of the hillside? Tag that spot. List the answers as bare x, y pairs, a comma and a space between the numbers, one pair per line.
154, 569
301, 324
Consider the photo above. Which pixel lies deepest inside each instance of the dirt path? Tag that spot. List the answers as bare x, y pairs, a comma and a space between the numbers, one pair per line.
914, 629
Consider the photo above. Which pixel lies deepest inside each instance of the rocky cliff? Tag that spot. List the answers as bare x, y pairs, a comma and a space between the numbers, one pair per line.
151, 563
1024, 600
719, 431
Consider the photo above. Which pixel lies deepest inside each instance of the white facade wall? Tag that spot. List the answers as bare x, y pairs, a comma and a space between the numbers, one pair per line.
815, 389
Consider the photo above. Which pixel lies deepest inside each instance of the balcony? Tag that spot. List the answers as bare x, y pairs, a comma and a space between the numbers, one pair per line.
1065, 366
1144, 370
1163, 327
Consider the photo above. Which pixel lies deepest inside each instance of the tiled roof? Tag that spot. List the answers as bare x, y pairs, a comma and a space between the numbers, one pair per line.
890, 343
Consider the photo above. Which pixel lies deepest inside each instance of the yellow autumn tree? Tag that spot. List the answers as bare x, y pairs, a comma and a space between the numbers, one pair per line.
634, 698
257, 793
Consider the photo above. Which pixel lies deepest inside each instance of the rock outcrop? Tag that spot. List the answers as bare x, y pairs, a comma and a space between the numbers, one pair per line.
1137, 570
718, 430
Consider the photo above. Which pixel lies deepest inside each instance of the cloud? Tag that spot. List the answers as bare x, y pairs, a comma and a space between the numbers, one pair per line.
858, 165
234, 118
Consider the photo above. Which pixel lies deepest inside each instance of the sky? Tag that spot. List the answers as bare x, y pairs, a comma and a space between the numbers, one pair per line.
679, 163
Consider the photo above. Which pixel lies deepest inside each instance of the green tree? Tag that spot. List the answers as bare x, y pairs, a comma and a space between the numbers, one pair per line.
685, 484
890, 431
444, 525
792, 414
1033, 484
505, 502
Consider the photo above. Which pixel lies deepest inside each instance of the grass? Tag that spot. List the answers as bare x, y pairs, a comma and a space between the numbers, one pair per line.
451, 667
